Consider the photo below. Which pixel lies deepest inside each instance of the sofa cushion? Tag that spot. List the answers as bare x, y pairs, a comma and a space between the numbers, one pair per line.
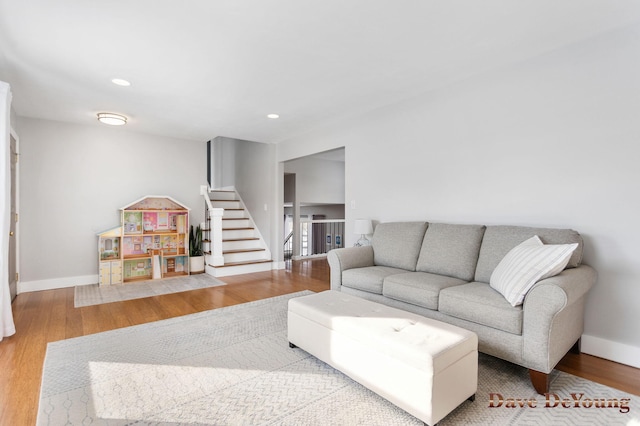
369, 278
499, 240
526, 264
397, 244
417, 288
479, 303
451, 250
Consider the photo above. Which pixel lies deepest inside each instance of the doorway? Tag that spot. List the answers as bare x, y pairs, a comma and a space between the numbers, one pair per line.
314, 197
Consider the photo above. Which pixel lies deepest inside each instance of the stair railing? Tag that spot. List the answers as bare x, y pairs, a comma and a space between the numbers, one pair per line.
213, 224
318, 237
288, 246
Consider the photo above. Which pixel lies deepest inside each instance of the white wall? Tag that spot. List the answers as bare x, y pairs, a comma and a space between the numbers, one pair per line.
254, 173
223, 162
549, 142
74, 179
317, 180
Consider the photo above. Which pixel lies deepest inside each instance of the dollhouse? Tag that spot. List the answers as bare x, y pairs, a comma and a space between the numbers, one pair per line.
151, 243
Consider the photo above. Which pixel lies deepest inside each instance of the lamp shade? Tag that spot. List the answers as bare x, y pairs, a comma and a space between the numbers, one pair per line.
363, 227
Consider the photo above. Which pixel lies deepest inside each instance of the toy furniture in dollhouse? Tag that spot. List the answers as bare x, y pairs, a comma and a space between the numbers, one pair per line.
110, 263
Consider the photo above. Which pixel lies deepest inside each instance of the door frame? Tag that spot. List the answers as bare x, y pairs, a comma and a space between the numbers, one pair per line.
15, 137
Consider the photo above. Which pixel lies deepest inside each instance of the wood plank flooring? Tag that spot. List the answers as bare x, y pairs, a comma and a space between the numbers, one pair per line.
47, 316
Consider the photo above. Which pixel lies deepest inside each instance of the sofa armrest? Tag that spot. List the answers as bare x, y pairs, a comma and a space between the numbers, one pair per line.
554, 316
347, 258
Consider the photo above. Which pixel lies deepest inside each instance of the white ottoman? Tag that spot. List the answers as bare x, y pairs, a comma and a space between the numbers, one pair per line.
423, 366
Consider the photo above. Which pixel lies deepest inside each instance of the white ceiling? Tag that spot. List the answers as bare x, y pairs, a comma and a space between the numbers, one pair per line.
206, 68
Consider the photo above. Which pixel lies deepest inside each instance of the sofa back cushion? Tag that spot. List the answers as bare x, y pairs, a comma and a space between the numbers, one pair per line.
451, 250
499, 240
397, 244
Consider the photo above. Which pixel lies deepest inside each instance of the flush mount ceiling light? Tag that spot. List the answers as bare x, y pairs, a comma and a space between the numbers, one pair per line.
112, 119
273, 116
120, 82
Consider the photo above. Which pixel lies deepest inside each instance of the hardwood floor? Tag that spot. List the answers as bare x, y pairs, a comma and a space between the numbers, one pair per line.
47, 316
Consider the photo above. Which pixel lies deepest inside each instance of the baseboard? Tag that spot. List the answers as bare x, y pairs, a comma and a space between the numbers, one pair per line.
39, 285
278, 265
310, 256
614, 351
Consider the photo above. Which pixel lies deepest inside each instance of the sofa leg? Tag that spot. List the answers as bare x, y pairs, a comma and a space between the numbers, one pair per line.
575, 349
291, 345
472, 398
540, 381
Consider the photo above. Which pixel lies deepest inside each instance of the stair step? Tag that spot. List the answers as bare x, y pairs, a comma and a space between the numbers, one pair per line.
237, 268
226, 204
241, 243
228, 234
235, 226
233, 214
223, 194
246, 262
242, 250
241, 254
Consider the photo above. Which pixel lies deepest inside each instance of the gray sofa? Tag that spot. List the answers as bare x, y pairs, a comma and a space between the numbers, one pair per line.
442, 271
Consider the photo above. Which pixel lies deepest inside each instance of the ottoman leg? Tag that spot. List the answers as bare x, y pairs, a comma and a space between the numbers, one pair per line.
291, 345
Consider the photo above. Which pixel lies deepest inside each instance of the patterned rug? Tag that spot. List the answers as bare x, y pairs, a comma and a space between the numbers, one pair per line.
93, 294
233, 366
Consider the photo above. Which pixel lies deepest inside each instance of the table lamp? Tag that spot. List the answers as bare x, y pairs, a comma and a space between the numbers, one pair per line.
363, 227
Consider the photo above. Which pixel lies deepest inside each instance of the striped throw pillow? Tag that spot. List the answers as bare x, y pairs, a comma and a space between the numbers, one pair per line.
526, 264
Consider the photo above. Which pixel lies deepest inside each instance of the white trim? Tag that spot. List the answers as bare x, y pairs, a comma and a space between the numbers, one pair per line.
7, 325
55, 283
216, 260
17, 205
309, 256
608, 349
278, 265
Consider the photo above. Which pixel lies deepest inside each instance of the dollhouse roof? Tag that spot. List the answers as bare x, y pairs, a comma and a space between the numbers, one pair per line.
113, 232
155, 202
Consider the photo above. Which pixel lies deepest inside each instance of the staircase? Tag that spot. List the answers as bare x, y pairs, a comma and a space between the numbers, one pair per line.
243, 249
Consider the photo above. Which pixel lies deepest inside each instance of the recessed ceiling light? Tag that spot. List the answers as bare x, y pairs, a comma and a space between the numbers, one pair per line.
112, 119
273, 116
120, 82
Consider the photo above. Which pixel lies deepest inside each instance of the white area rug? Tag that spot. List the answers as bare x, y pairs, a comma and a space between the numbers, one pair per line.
233, 366
93, 294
